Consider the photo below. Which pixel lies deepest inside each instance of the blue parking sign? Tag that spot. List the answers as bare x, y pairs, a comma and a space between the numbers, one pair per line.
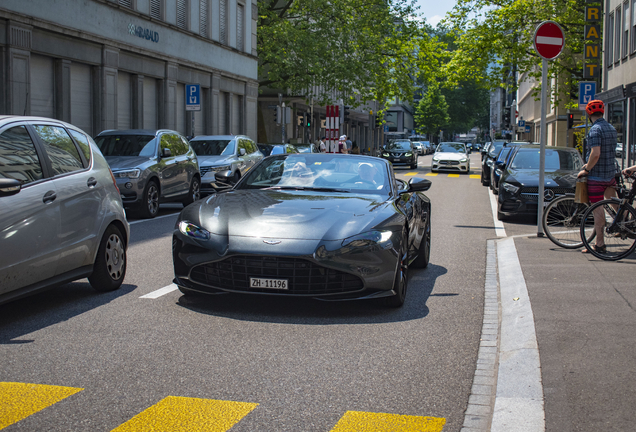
193, 97
587, 92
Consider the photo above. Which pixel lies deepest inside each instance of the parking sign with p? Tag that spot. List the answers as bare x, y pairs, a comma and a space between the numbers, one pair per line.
587, 92
193, 97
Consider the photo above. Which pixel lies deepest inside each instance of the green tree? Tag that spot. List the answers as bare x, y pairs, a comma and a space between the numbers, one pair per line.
431, 114
358, 49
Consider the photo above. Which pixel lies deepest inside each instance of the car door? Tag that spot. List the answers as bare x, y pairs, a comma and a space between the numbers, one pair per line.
242, 154
80, 193
169, 170
255, 155
29, 219
407, 203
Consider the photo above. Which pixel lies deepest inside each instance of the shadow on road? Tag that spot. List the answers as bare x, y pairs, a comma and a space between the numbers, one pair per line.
47, 308
307, 311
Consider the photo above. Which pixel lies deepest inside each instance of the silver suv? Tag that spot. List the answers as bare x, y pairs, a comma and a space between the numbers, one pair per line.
61, 216
151, 166
222, 153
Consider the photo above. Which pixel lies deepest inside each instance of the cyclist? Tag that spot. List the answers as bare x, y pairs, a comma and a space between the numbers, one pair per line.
600, 166
630, 170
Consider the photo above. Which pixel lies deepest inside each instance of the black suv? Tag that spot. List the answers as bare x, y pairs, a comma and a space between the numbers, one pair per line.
400, 152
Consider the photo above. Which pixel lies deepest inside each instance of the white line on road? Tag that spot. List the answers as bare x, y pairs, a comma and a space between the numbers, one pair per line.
148, 220
499, 226
163, 291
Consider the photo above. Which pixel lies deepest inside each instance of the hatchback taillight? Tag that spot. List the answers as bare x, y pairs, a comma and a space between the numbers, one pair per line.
114, 181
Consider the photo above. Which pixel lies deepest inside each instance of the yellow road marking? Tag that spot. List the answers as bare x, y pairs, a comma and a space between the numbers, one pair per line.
475, 176
430, 175
182, 414
453, 175
20, 400
410, 174
359, 421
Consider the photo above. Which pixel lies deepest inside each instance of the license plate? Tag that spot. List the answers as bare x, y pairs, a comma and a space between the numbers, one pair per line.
269, 283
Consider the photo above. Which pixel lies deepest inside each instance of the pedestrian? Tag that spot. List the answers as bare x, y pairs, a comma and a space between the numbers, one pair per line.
322, 147
342, 144
600, 166
355, 149
349, 144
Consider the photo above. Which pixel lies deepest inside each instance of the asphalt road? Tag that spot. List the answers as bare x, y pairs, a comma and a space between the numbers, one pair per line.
271, 364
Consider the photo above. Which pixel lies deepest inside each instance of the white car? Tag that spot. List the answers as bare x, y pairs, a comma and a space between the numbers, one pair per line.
451, 156
419, 147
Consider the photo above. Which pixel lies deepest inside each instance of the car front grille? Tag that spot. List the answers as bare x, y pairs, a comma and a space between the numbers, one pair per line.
205, 170
532, 193
443, 162
304, 277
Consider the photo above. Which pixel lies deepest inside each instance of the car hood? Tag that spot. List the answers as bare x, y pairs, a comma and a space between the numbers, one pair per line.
530, 177
215, 160
126, 162
450, 155
289, 214
398, 151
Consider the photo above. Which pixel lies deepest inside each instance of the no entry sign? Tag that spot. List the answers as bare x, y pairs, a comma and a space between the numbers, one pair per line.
549, 40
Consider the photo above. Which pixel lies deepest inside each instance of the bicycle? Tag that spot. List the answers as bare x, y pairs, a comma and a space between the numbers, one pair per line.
562, 221
620, 226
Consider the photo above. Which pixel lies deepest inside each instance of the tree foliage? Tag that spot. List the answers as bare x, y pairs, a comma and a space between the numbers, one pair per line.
431, 114
356, 50
493, 35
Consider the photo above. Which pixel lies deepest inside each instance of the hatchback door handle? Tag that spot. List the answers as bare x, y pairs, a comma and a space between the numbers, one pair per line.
92, 182
49, 197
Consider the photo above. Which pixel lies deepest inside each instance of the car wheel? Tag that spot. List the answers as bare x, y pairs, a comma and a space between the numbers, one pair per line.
109, 268
195, 192
424, 252
150, 200
401, 277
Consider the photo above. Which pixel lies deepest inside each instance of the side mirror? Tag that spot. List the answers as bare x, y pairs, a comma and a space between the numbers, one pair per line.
166, 153
417, 185
9, 186
242, 152
225, 177
500, 164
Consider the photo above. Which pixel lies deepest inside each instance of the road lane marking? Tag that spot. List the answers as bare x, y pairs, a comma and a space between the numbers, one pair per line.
20, 400
359, 421
162, 291
182, 414
454, 175
411, 174
430, 175
475, 176
499, 226
149, 220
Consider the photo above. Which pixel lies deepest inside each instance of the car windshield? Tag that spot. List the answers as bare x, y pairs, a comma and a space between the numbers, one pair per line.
495, 148
399, 145
203, 147
451, 148
319, 172
127, 145
504, 152
555, 160
303, 148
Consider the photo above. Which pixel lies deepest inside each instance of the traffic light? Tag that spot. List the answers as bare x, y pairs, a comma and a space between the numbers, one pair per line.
506, 116
570, 121
346, 113
277, 116
307, 120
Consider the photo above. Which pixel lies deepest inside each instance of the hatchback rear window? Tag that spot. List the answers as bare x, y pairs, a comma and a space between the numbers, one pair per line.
127, 145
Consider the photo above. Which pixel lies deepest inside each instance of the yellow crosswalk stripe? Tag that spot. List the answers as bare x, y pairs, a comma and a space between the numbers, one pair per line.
20, 400
453, 175
431, 175
411, 174
477, 176
359, 421
182, 414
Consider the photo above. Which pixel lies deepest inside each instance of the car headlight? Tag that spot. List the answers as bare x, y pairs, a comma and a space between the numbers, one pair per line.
132, 174
435, 158
191, 230
367, 238
221, 168
489, 163
408, 154
464, 160
510, 188
385, 154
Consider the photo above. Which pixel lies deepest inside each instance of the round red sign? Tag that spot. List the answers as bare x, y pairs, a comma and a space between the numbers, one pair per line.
549, 40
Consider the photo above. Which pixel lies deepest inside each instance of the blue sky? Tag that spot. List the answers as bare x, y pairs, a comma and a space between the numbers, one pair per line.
434, 10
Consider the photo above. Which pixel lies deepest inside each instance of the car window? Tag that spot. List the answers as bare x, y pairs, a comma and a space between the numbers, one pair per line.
451, 148
127, 145
18, 158
241, 145
84, 145
399, 145
554, 160
186, 145
204, 147
60, 148
174, 143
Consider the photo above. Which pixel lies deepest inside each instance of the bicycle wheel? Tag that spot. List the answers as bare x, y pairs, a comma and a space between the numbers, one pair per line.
619, 236
562, 221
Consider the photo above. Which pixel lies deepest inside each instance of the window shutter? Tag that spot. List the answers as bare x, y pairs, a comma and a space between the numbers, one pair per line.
203, 18
239, 27
126, 3
182, 14
155, 9
223, 21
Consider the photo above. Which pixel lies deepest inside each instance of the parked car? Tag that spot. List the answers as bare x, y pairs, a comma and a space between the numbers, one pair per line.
151, 167
399, 153
274, 149
266, 236
619, 150
451, 156
61, 215
428, 147
419, 147
501, 160
305, 148
519, 182
220, 153
488, 160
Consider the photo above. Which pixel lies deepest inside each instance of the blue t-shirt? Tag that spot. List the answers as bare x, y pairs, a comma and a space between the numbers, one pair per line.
603, 135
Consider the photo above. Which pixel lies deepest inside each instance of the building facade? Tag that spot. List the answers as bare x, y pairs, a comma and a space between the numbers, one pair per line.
122, 64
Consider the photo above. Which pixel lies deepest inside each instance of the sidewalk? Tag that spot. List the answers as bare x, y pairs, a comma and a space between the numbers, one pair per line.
572, 365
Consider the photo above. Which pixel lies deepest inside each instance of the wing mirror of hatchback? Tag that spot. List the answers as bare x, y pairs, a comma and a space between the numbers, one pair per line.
166, 153
418, 185
242, 152
224, 177
9, 186
500, 164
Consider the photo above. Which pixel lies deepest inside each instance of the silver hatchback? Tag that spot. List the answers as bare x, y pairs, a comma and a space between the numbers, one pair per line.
61, 216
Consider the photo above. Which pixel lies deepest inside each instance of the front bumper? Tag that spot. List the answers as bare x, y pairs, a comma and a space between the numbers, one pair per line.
316, 269
401, 160
450, 165
131, 191
526, 201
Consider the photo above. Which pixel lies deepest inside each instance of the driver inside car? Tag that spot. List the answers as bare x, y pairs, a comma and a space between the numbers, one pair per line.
366, 174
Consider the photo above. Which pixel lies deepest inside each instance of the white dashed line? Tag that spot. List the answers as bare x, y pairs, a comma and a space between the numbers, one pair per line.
163, 291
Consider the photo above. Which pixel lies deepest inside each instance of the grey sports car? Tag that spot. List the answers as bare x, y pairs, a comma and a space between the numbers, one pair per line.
328, 226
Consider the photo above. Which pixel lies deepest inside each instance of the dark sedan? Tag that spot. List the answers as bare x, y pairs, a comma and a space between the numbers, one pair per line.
519, 183
488, 160
504, 157
327, 226
400, 153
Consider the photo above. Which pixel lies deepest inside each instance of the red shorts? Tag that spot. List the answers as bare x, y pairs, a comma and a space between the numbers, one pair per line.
596, 189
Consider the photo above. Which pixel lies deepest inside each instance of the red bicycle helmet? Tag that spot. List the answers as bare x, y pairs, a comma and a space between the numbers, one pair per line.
595, 106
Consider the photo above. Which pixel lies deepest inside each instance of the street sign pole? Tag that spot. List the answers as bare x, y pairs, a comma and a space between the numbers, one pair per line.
283, 112
544, 137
